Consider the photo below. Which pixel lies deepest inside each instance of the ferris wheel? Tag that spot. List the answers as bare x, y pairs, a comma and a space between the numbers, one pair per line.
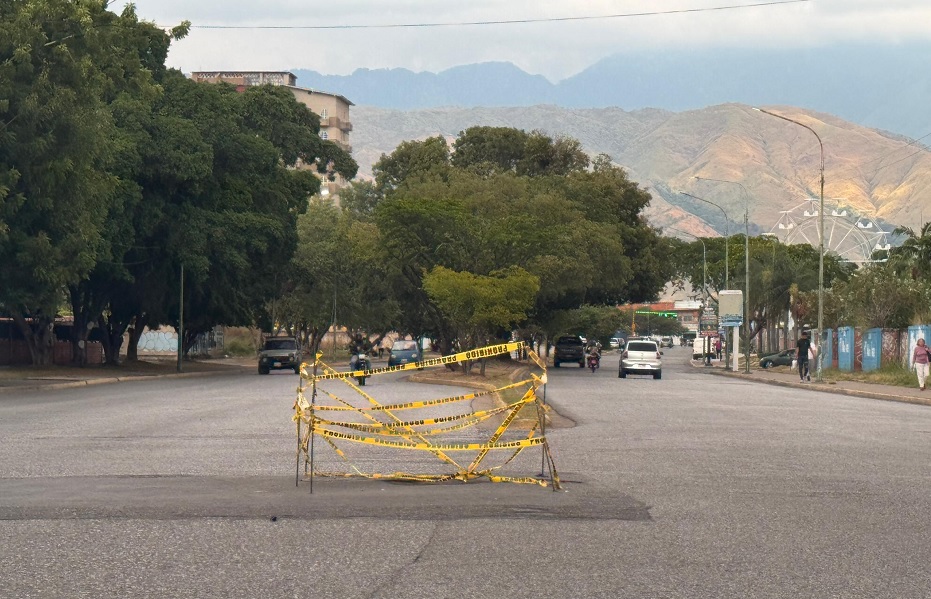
852, 237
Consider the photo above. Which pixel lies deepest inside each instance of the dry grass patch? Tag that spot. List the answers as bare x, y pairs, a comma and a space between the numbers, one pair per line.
126, 369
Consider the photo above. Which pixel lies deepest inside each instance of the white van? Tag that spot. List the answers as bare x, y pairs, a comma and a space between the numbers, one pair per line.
698, 351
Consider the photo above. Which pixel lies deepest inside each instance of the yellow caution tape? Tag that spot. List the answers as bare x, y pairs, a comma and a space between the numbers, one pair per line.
485, 447
425, 403
473, 354
497, 434
410, 434
438, 453
392, 428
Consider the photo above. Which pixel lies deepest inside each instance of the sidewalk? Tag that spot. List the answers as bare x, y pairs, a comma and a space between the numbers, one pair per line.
784, 377
30, 378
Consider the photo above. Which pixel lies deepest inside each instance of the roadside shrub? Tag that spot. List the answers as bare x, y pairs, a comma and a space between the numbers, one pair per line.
239, 348
887, 374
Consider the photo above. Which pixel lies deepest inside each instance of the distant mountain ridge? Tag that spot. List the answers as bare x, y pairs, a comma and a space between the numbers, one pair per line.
873, 173
880, 86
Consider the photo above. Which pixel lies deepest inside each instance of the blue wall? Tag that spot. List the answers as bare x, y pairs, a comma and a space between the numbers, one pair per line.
827, 349
872, 349
845, 349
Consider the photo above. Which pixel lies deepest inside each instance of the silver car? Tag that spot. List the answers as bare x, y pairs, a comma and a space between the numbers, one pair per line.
641, 356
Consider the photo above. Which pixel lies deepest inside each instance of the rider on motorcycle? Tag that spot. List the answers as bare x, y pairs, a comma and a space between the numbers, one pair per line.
593, 348
357, 345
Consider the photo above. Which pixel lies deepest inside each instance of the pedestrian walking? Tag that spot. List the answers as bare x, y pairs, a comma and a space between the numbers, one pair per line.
717, 347
801, 355
921, 357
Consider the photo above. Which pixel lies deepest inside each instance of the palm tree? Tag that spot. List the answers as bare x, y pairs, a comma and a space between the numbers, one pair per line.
913, 257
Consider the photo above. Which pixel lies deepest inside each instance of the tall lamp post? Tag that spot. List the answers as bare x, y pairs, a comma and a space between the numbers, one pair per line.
746, 266
704, 260
727, 234
820, 238
727, 243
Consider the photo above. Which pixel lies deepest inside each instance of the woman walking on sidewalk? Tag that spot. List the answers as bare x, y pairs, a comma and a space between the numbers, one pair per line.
921, 357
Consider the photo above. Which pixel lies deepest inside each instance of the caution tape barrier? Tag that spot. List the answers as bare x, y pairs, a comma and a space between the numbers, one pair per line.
412, 433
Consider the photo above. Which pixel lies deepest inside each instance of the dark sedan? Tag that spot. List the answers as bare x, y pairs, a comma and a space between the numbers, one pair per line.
783, 358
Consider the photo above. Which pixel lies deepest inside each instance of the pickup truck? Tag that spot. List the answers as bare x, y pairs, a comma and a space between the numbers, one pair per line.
569, 348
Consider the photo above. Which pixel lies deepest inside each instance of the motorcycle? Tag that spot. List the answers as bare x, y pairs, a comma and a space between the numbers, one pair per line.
360, 362
594, 361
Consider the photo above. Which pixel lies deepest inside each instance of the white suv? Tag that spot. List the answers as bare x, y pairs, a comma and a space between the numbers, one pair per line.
641, 356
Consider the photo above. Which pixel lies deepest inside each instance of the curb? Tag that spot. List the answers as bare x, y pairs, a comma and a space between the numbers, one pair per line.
823, 388
107, 381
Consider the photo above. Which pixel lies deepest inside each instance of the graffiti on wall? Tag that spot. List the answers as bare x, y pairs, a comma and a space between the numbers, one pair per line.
158, 341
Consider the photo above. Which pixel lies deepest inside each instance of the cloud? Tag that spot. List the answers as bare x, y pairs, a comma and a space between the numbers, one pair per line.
556, 49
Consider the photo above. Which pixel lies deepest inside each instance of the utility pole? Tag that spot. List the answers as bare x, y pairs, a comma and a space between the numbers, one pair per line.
181, 321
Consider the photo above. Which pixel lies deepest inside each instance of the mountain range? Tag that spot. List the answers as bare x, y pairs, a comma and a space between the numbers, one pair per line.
871, 174
675, 119
882, 86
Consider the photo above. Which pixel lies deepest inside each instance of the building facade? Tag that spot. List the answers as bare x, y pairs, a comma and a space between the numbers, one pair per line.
333, 109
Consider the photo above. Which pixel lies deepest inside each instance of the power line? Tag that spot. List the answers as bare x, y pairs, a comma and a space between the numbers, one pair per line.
915, 153
506, 22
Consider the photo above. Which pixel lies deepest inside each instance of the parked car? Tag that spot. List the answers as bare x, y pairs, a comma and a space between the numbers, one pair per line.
280, 353
569, 348
783, 358
641, 357
403, 352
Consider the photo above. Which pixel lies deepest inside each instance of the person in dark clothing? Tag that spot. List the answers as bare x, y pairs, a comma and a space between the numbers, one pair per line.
801, 355
357, 345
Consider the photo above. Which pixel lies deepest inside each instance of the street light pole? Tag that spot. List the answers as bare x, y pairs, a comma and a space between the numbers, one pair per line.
746, 266
727, 234
704, 257
820, 239
747, 288
727, 260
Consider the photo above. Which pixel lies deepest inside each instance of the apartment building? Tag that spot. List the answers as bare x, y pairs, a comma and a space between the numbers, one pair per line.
333, 109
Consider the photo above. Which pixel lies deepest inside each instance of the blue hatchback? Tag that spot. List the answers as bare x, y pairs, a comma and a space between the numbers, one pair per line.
403, 352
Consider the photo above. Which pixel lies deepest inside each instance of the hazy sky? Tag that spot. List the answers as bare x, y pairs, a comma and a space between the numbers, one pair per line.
553, 49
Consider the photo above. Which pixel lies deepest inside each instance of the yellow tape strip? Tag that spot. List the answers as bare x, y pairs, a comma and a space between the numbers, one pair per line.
305, 412
391, 428
438, 453
485, 447
424, 403
503, 427
473, 354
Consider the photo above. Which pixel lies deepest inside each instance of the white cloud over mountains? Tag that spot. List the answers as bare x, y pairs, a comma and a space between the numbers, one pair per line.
553, 49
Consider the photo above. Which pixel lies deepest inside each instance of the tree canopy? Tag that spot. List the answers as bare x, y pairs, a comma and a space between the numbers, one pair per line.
501, 201
116, 173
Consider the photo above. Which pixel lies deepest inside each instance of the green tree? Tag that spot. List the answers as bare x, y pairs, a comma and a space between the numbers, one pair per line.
488, 150
410, 162
217, 194
361, 198
913, 257
480, 306
63, 65
507, 198
876, 296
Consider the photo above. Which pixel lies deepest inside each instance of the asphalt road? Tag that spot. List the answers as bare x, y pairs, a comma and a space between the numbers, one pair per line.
690, 486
